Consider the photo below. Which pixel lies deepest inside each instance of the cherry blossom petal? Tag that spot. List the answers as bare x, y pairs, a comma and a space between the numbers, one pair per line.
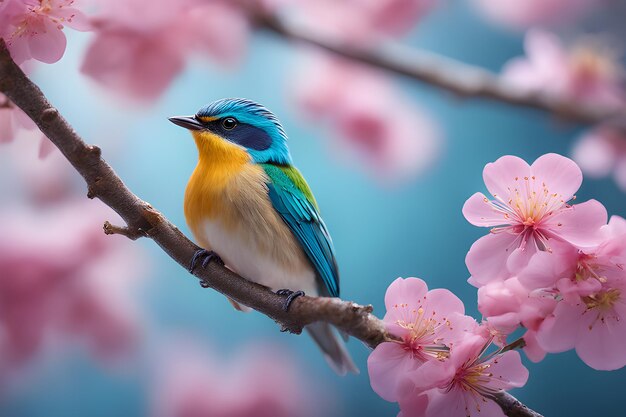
73, 18
559, 332
508, 371
504, 324
442, 302
403, 291
560, 174
595, 154
500, 176
46, 147
479, 211
413, 405
545, 50
601, 345
48, 45
620, 173
486, 259
451, 404
546, 268
533, 351
580, 224
389, 368
7, 125
616, 226
519, 258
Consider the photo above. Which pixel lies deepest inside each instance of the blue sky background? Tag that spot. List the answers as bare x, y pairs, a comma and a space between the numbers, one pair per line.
380, 233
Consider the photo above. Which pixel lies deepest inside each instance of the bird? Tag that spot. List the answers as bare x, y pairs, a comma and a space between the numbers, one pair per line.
250, 208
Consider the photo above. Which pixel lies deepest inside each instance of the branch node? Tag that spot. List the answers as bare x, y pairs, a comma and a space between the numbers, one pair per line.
91, 188
153, 216
95, 150
49, 115
131, 233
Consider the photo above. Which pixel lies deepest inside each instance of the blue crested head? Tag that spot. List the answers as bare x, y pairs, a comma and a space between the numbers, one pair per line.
245, 123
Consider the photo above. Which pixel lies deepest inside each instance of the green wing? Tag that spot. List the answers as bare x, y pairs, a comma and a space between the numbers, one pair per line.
293, 200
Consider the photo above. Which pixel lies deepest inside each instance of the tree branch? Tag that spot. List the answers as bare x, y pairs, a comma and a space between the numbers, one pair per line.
458, 78
143, 220
512, 407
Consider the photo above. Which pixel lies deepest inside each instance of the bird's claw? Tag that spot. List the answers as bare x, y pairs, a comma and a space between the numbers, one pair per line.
208, 256
291, 295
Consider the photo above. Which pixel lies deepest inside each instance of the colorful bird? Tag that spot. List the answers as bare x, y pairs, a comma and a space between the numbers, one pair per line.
248, 203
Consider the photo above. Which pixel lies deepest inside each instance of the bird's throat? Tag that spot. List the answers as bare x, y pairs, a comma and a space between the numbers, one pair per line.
219, 161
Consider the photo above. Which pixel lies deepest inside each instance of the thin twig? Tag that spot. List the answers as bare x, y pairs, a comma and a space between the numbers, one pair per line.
458, 78
132, 234
141, 219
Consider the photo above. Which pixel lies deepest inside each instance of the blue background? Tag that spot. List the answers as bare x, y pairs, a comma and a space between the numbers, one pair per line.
380, 233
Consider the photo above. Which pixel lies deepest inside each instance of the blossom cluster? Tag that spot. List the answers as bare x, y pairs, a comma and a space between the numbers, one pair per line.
63, 279
553, 267
441, 363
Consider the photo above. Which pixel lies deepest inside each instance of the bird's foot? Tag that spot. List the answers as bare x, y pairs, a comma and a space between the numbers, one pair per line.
291, 295
208, 255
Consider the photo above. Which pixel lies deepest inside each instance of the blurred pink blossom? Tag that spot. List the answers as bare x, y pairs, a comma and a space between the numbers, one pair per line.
361, 20
587, 71
13, 120
62, 278
463, 384
521, 14
530, 207
34, 28
601, 152
429, 323
36, 181
260, 381
141, 57
372, 121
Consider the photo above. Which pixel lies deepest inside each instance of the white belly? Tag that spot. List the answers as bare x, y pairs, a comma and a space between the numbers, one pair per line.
240, 253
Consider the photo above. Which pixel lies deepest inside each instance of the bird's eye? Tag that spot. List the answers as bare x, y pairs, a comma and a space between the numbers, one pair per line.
229, 123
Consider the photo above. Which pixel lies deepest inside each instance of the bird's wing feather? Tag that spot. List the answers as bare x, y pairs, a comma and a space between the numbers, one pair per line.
293, 200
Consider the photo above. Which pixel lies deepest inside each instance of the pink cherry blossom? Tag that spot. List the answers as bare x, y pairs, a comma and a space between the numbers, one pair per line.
141, 57
533, 351
361, 20
34, 28
521, 14
62, 280
591, 310
262, 381
530, 207
507, 304
601, 152
374, 124
429, 324
587, 71
12, 120
467, 380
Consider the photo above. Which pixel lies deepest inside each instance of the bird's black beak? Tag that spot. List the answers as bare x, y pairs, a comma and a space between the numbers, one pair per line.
188, 122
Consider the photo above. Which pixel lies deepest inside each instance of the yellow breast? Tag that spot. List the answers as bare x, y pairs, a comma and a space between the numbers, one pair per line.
219, 163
